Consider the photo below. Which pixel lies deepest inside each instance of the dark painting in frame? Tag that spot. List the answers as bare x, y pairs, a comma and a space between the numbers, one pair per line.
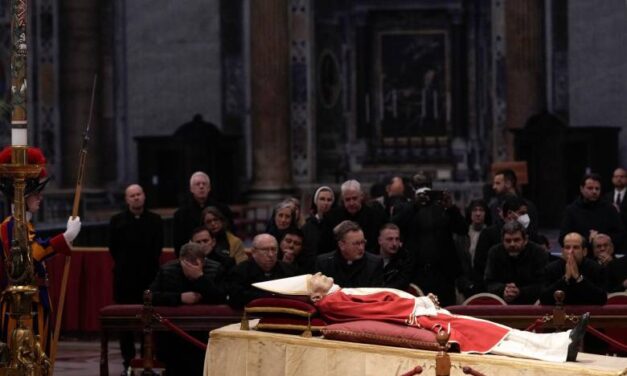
413, 83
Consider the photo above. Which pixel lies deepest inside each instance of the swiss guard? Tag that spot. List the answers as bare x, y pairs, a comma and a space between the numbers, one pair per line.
41, 249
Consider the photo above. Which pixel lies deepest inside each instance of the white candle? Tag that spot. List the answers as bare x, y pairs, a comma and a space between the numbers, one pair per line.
19, 136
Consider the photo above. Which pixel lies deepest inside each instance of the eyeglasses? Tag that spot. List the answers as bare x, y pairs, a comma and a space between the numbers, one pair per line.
268, 250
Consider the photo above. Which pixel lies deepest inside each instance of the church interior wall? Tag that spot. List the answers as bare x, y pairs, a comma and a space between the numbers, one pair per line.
173, 66
598, 66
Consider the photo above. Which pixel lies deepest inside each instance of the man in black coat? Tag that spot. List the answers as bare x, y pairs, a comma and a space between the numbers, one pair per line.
514, 209
353, 208
427, 228
350, 265
398, 266
617, 275
589, 215
515, 268
135, 243
191, 279
581, 278
264, 266
617, 198
187, 216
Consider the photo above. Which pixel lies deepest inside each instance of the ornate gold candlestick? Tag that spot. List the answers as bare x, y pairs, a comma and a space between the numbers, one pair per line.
23, 354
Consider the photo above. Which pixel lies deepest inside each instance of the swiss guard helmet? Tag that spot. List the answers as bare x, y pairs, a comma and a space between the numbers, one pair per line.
33, 185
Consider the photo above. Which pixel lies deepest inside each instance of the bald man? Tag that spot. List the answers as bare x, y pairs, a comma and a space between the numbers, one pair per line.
263, 265
580, 277
135, 243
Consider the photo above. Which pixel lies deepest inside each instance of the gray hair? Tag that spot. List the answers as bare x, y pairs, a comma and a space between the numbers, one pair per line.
350, 185
197, 174
513, 227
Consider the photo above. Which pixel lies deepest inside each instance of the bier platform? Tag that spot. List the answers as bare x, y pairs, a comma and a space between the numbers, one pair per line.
232, 351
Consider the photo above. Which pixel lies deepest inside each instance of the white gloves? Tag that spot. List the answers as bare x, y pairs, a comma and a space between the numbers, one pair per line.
72, 230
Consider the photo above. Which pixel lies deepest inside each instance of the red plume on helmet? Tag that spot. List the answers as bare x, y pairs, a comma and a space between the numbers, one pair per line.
33, 156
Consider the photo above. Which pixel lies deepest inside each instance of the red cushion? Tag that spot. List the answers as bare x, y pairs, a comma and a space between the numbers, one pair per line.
382, 333
289, 324
281, 306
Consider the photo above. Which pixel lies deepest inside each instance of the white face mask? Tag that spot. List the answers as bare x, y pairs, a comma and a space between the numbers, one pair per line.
524, 220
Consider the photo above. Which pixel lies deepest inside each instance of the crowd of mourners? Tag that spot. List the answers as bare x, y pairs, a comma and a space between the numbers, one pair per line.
403, 234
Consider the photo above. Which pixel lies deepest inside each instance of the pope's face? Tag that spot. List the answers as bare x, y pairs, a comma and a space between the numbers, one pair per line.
320, 286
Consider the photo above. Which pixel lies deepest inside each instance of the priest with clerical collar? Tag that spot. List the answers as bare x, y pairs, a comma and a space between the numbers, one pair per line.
350, 265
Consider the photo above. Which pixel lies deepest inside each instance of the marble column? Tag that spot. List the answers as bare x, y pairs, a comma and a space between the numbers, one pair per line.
524, 63
80, 59
269, 72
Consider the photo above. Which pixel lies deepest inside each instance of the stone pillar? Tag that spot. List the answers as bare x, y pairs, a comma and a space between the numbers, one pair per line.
269, 72
524, 63
80, 54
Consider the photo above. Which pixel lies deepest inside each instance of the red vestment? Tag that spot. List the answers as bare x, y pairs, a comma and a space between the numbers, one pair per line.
472, 335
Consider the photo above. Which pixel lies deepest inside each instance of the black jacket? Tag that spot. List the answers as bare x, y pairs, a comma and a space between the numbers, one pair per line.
398, 272
591, 289
616, 274
244, 274
526, 271
135, 244
581, 217
187, 218
171, 282
365, 272
370, 219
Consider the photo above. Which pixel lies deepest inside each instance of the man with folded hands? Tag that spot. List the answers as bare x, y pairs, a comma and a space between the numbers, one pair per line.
515, 267
473, 335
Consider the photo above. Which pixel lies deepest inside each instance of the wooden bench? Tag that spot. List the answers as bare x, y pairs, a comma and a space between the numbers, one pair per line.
522, 316
115, 318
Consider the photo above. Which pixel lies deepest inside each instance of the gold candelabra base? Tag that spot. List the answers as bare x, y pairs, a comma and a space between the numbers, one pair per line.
24, 355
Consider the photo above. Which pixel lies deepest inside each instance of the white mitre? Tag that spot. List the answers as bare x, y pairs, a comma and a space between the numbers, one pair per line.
289, 286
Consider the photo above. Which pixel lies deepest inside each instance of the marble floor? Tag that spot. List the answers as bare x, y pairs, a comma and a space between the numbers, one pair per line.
82, 358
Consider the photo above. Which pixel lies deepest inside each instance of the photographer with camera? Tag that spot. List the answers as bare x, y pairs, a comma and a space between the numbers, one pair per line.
427, 228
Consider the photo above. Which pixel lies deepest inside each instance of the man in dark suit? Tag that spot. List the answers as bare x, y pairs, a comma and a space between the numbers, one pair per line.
263, 265
589, 215
582, 279
135, 243
617, 197
515, 267
350, 265
353, 208
398, 266
187, 216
